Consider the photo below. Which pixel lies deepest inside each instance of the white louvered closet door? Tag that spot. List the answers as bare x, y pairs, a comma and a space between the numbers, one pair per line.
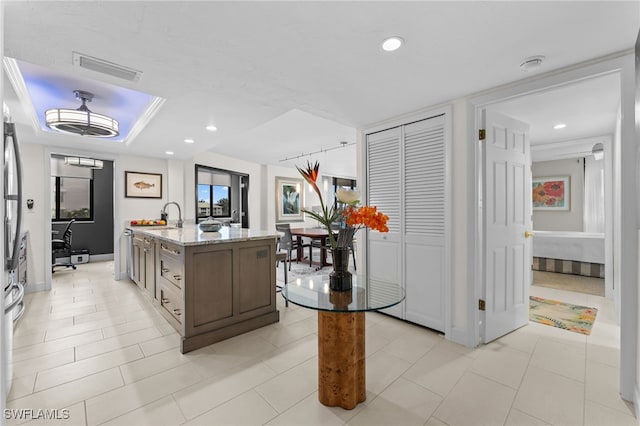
424, 239
384, 191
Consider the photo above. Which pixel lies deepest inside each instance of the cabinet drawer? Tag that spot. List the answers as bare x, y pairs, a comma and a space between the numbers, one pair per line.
171, 270
171, 301
148, 243
172, 251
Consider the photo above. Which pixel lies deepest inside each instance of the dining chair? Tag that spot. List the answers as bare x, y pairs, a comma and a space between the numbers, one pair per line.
288, 243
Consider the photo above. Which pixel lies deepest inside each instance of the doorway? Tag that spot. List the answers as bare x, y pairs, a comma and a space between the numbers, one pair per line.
81, 186
624, 152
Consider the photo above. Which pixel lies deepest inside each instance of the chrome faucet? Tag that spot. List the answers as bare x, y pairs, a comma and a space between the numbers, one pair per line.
164, 214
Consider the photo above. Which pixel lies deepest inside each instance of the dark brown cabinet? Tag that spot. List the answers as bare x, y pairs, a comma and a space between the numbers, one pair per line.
208, 292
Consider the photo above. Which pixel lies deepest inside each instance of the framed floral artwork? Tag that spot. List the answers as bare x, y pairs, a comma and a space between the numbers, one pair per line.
289, 199
551, 193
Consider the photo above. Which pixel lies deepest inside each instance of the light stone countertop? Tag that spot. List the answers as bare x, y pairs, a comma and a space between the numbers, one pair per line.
191, 235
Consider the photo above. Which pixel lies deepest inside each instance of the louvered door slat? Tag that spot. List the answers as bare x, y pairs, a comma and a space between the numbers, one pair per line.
424, 161
384, 177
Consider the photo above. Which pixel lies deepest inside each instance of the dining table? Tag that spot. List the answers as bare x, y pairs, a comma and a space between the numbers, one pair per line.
319, 234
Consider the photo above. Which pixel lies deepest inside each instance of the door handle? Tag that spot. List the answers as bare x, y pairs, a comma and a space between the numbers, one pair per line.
529, 234
17, 300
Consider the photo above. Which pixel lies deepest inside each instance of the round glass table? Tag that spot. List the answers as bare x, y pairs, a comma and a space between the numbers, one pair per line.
341, 331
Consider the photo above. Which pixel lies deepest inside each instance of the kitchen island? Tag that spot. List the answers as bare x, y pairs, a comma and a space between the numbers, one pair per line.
209, 285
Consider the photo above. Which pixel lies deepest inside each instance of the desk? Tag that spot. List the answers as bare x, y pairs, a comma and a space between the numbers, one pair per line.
320, 234
341, 332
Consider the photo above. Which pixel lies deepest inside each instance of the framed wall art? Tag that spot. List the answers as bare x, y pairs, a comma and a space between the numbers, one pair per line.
289, 199
142, 185
551, 193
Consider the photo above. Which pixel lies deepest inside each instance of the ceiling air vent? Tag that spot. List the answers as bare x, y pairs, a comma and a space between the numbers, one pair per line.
105, 67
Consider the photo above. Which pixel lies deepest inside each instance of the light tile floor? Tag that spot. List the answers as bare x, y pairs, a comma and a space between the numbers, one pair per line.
98, 348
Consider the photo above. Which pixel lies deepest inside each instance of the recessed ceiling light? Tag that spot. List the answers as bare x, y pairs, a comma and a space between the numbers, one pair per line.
211, 128
392, 43
559, 126
169, 152
189, 141
531, 63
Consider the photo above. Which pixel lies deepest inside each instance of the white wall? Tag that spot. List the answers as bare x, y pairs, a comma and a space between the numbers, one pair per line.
35, 220
127, 209
462, 320
573, 219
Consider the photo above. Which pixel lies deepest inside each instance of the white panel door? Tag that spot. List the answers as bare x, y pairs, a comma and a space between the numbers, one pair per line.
507, 206
424, 221
384, 191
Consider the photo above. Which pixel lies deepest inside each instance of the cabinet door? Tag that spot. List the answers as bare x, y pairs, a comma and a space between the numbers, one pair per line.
138, 259
149, 267
424, 221
384, 176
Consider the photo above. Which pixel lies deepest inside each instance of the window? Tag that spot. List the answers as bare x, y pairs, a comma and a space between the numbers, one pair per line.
222, 194
342, 183
214, 201
71, 198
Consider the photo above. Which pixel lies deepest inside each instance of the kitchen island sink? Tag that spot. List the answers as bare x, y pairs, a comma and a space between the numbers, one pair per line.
209, 285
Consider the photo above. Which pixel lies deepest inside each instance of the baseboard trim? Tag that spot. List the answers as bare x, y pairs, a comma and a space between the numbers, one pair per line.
33, 287
636, 400
460, 336
100, 257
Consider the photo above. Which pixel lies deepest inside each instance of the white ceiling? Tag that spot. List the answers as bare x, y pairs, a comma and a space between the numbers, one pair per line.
283, 78
589, 109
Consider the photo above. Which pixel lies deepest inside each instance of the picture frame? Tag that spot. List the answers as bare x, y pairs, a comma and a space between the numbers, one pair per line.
551, 193
289, 199
142, 185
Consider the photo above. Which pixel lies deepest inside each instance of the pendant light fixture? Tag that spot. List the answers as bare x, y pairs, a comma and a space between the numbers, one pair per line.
82, 121
89, 163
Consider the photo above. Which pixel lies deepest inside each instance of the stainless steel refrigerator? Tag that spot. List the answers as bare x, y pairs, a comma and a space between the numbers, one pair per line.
13, 290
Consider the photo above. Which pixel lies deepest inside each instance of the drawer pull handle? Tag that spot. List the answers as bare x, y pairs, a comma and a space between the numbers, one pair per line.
177, 312
165, 248
165, 270
165, 300
177, 277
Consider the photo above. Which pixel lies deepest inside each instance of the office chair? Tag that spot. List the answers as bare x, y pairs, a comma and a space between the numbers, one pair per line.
62, 246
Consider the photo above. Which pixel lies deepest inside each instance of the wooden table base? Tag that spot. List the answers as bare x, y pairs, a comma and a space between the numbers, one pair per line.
341, 359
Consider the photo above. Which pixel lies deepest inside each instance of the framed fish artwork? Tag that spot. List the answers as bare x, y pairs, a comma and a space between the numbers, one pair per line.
142, 185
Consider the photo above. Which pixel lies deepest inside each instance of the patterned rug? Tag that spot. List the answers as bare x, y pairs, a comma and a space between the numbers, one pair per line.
570, 317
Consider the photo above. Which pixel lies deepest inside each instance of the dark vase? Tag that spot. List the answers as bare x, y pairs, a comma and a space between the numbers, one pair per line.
340, 278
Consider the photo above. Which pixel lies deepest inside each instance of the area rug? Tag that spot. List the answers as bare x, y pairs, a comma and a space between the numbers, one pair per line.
570, 317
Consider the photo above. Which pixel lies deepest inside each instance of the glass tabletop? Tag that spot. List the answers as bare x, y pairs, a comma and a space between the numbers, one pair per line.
313, 292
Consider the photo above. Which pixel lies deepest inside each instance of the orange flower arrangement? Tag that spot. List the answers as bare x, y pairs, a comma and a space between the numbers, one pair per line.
351, 218
366, 216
